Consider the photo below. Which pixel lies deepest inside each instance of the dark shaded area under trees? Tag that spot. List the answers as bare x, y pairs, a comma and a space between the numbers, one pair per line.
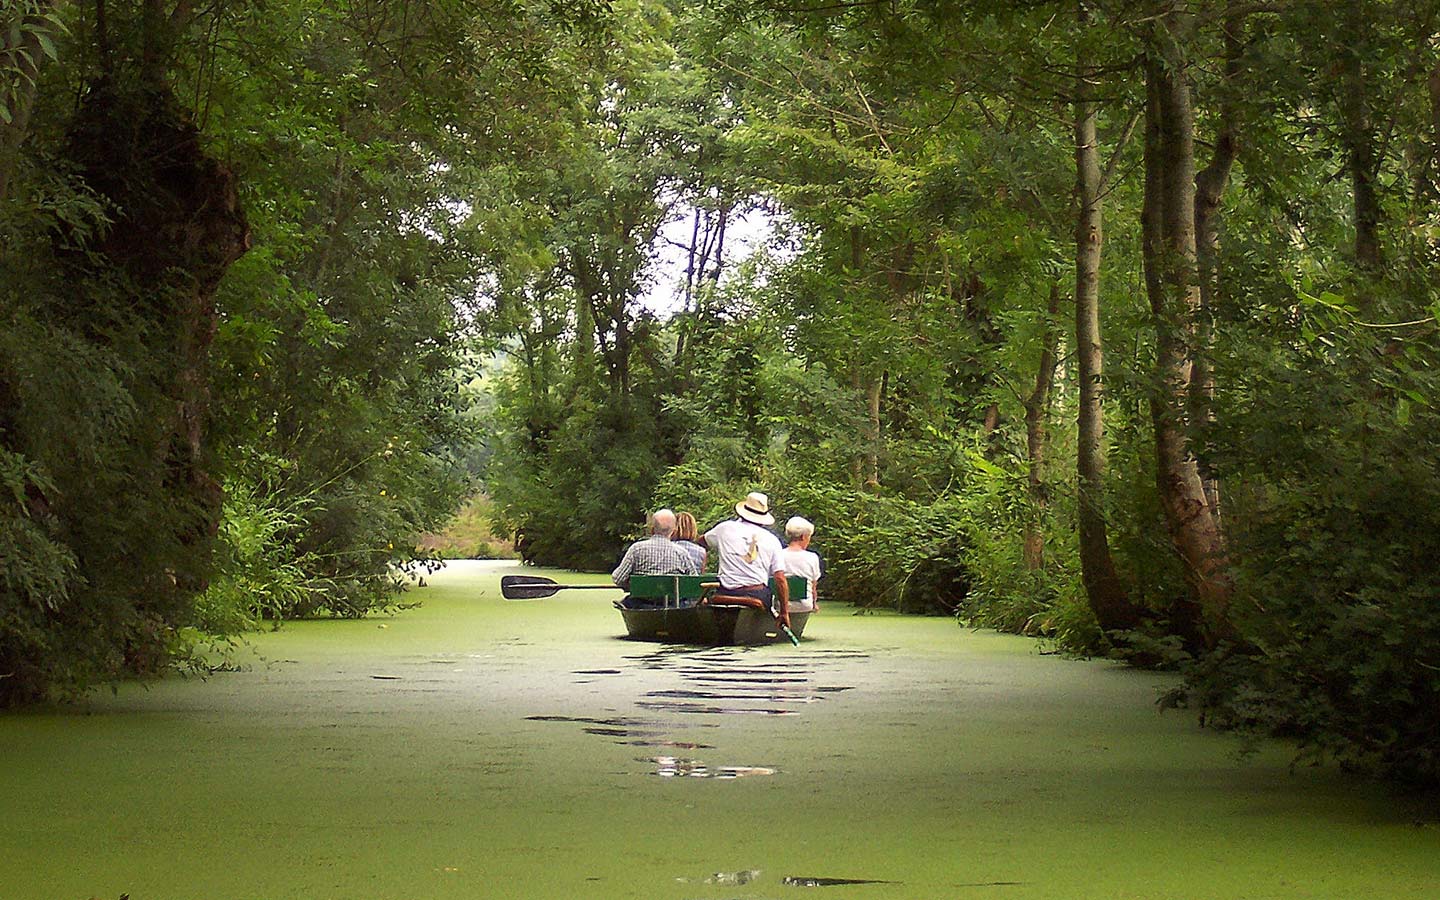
1108, 322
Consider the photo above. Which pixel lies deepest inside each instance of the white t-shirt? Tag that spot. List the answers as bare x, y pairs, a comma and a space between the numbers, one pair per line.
807, 565
748, 553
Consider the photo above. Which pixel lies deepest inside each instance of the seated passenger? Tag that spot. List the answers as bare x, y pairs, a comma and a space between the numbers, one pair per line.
655, 555
687, 535
800, 560
748, 554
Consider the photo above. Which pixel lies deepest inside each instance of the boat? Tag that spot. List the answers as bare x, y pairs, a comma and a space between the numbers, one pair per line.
686, 609
682, 609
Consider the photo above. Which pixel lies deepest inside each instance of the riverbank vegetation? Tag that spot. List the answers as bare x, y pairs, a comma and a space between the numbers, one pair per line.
257, 260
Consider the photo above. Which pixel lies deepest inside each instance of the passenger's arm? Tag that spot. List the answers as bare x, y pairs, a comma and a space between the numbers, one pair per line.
782, 588
621, 575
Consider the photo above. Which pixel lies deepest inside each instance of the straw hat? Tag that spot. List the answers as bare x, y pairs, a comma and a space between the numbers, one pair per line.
755, 508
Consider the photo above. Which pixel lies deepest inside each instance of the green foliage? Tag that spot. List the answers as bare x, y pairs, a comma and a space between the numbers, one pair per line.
448, 200
35, 567
28, 32
1336, 441
94, 545
332, 390
470, 534
1046, 602
339, 349
577, 502
258, 574
38, 574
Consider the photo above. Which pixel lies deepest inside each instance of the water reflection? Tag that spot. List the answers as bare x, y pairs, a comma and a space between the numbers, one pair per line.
711, 683
809, 881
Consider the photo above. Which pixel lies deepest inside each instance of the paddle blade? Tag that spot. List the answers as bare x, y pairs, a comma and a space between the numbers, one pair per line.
527, 587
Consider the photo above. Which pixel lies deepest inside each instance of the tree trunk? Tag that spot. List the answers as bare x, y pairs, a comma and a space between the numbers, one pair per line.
1172, 281
872, 437
1037, 407
620, 366
690, 274
1361, 145
1432, 168
177, 226
1103, 587
857, 460
720, 243
1210, 185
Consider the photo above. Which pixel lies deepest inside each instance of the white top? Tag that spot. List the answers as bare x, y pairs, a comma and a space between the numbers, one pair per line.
805, 564
748, 553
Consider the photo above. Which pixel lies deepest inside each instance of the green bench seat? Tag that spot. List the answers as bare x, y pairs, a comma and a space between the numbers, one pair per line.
688, 587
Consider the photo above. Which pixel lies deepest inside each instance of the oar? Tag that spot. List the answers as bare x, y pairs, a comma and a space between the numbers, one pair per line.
783, 623
533, 587
785, 629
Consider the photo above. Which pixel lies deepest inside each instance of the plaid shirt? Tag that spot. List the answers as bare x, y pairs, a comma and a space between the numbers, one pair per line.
655, 555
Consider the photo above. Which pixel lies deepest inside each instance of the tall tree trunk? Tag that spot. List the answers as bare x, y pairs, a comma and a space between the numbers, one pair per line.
620, 366
1210, 185
690, 273
720, 242
1170, 256
586, 284
25, 58
1358, 127
1431, 179
857, 461
1107, 596
1037, 407
873, 391
177, 226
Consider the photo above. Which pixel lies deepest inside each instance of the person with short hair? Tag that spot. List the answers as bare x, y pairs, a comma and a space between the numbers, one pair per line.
801, 560
749, 554
687, 535
656, 554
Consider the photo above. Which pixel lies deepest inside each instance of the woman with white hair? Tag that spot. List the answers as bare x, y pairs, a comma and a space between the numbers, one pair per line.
801, 560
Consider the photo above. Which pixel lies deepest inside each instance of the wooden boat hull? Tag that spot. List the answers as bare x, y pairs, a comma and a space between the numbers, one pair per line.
708, 625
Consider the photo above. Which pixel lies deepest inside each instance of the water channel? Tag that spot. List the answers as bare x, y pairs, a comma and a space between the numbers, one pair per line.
477, 748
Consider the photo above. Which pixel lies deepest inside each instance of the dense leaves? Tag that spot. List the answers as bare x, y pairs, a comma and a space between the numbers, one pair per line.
885, 369
513, 243
317, 382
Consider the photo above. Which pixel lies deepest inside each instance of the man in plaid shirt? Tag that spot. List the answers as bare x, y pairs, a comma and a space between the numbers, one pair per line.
657, 554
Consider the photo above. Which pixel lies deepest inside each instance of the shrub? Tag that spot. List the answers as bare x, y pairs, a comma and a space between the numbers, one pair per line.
259, 574
1335, 534
470, 534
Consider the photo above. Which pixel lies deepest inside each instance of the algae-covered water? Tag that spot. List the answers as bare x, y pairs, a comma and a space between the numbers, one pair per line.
473, 748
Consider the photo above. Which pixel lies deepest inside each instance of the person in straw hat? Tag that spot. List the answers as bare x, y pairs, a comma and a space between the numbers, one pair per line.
749, 553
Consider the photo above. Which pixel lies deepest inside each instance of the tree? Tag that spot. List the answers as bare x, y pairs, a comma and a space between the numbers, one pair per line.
1103, 586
